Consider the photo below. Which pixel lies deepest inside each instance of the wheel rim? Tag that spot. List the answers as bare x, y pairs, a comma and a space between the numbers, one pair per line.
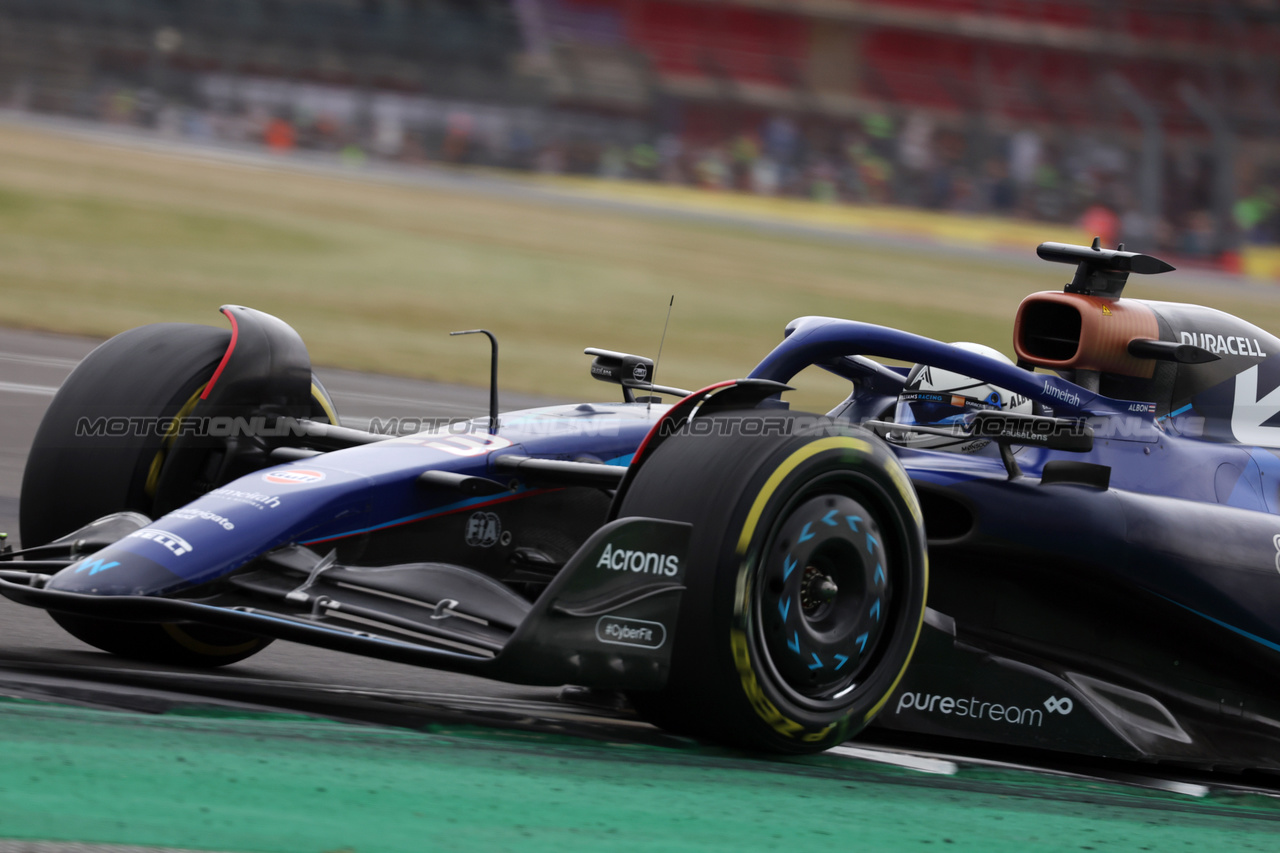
824, 597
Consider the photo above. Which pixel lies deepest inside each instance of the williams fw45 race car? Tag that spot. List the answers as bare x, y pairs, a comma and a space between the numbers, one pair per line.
1077, 552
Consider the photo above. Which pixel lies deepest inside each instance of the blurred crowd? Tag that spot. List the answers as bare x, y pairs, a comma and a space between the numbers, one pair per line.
1028, 173
1061, 176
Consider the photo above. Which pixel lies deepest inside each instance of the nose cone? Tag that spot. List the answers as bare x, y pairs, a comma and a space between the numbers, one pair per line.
116, 570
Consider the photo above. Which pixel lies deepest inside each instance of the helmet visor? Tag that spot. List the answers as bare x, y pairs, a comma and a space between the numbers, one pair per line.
917, 408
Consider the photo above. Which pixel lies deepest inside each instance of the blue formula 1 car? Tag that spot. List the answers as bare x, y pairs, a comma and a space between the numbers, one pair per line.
1094, 569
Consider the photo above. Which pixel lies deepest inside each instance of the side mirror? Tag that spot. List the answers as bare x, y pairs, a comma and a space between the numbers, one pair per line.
632, 372
620, 368
1034, 431
1009, 428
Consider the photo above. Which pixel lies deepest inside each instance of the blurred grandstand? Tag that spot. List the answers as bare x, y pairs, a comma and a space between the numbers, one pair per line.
1145, 121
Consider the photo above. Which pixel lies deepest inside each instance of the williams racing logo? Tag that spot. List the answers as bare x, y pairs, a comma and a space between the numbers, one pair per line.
640, 562
95, 566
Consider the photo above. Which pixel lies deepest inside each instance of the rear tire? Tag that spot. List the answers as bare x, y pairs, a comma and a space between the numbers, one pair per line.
73, 478
805, 584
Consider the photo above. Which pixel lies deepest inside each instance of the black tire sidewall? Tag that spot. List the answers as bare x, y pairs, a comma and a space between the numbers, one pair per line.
791, 718
71, 480
178, 644
721, 684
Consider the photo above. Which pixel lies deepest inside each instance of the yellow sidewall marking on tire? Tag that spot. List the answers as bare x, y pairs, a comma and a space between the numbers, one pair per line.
900, 479
760, 703
325, 405
157, 463
738, 641
810, 450
764, 708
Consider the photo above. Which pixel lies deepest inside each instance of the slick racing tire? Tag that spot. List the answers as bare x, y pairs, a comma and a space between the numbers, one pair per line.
805, 583
71, 479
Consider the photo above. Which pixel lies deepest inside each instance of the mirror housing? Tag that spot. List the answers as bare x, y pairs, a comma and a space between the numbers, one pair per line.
632, 372
1034, 431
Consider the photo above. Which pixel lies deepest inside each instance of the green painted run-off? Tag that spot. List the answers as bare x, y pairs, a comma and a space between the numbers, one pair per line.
299, 785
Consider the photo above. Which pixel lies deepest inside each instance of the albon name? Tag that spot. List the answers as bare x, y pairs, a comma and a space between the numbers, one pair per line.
641, 562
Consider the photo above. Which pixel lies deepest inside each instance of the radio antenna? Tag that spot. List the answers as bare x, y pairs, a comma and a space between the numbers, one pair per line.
653, 374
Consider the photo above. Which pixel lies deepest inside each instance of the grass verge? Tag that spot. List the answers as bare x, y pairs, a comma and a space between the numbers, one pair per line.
95, 239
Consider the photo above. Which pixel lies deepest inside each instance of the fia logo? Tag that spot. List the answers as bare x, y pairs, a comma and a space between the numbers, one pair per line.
484, 530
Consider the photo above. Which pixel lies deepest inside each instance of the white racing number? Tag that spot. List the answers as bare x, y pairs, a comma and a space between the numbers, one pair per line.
469, 445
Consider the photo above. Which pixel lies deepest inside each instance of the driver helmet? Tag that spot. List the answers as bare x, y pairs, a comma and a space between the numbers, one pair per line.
936, 397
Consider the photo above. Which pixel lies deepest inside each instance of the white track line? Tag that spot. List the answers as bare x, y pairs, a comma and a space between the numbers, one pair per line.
40, 360
911, 762
19, 388
906, 758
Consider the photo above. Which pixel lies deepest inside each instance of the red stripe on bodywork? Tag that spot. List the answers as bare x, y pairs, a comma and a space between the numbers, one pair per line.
226, 356
676, 411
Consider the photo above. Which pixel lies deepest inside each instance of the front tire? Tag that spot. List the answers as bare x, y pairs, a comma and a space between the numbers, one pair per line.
73, 476
151, 373
806, 579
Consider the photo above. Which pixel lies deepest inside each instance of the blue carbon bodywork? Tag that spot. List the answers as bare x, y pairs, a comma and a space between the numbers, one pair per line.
348, 493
